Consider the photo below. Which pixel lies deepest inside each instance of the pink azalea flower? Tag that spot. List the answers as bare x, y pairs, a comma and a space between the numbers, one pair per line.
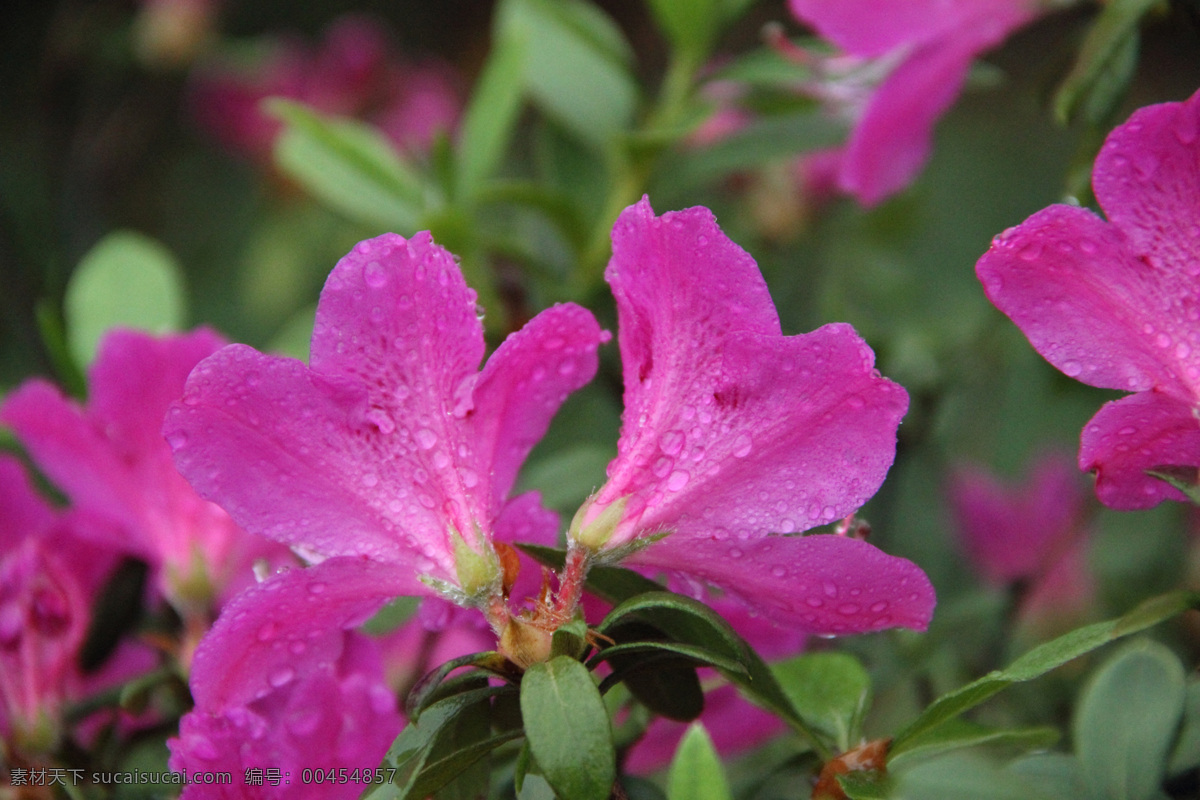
392, 454
49, 578
111, 460
904, 64
338, 714
733, 432
1116, 303
1031, 533
353, 73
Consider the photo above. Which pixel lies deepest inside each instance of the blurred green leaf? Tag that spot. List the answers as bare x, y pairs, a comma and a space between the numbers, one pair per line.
1105, 63
1041, 660
127, 280
866, 785
348, 165
829, 690
1186, 753
959, 734
568, 730
696, 771
576, 64
690, 25
491, 115
1057, 774
959, 776
1126, 721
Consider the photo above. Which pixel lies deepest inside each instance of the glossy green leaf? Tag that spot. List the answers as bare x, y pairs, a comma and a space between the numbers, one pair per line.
1103, 65
1041, 660
575, 64
348, 165
866, 785
491, 115
829, 690
653, 670
425, 692
1127, 719
568, 730
696, 772
700, 656
126, 280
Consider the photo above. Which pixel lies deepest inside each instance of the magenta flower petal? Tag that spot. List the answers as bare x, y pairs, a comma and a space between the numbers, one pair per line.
871, 28
392, 442
1117, 304
287, 626
892, 140
339, 717
822, 583
728, 425
1127, 437
523, 384
1147, 180
1070, 283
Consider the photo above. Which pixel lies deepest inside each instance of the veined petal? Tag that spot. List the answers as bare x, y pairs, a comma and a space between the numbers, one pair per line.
822, 583
1086, 302
1147, 180
788, 433
1142, 432
281, 449
288, 626
524, 383
397, 319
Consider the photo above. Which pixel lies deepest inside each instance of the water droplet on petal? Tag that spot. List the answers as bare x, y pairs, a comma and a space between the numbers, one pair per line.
375, 275
779, 571
177, 439
742, 445
426, 438
469, 478
1072, 368
848, 609
813, 602
880, 606
268, 631
679, 479
370, 480
830, 589
671, 442
318, 587
281, 677
1030, 251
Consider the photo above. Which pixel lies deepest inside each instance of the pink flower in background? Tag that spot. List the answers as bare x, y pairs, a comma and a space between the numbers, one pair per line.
49, 579
333, 712
903, 64
733, 432
353, 73
1031, 534
1116, 303
109, 457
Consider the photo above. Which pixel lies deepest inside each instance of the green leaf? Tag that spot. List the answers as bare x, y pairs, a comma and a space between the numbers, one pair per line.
491, 115
126, 280
1057, 774
568, 729
445, 741
348, 165
575, 64
830, 691
696, 772
866, 785
1041, 660
1186, 753
1105, 62
962, 775
690, 25
1126, 720
698, 656
426, 689
960, 734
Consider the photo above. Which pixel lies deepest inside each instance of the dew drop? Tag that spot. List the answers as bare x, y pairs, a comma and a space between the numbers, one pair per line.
426, 438
813, 602
1072, 368
469, 478
318, 587
671, 442
370, 480
779, 571
848, 609
679, 479
1030, 251
742, 445
878, 607
735, 553
830, 589
375, 275
281, 677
